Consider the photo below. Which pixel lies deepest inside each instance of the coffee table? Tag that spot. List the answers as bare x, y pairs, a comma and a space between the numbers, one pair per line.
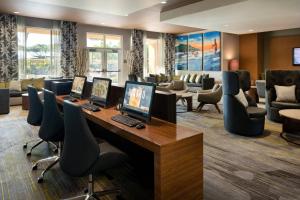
291, 125
188, 98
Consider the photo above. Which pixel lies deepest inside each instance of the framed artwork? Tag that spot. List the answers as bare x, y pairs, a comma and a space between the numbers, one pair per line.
181, 51
212, 51
195, 52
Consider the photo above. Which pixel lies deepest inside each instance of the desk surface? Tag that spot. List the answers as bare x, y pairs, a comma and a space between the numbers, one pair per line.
155, 135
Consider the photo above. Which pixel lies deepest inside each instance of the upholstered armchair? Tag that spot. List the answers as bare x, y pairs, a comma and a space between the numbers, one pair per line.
281, 78
238, 119
210, 97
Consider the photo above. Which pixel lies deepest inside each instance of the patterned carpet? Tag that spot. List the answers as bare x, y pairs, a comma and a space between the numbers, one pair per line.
235, 167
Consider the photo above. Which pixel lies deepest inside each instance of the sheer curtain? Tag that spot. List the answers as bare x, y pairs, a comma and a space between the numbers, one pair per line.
55, 67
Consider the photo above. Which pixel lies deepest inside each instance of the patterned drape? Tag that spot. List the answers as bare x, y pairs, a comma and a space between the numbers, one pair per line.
8, 48
68, 48
137, 48
169, 53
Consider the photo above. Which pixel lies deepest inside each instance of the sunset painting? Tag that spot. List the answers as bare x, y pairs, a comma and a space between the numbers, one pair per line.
195, 52
181, 50
212, 51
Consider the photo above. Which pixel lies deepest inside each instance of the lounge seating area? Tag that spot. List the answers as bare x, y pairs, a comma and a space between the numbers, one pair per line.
149, 100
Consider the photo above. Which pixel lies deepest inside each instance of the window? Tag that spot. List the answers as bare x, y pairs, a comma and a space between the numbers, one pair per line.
153, 57
104, 55
37, 53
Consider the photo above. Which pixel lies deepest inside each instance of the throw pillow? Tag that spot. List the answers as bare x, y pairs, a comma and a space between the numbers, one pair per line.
199, 78
286, 93
38, 83
177, 85
15, 85
181, 77
192, 78
186, 78
163, 78
242, 98
25, 83
2, 85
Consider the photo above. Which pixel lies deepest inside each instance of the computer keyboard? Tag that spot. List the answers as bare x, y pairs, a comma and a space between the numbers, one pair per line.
90, 107
70, 98
126, 120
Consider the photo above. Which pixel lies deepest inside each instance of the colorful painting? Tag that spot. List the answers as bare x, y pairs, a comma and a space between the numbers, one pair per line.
181, 50
195, 52
212, 51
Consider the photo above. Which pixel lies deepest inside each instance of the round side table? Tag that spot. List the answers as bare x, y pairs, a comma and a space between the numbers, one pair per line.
291, 125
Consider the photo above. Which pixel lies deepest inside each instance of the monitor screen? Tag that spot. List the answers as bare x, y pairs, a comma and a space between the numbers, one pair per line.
296, 56
138, 99
78, 85
100, 91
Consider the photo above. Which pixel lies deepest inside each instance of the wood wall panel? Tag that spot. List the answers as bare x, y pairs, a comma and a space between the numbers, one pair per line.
249, 54
280, 52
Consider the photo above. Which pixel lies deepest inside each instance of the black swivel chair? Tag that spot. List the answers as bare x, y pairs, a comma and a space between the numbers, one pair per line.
82, 155
35, 114
238, 119
52, 129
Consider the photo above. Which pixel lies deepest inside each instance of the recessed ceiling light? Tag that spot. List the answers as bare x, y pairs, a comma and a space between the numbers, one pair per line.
102, 23
226, 25
16, 12
250, 30
163, 2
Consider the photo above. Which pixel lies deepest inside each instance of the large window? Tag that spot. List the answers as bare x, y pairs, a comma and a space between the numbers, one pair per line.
104, 55
153, 57
36, 52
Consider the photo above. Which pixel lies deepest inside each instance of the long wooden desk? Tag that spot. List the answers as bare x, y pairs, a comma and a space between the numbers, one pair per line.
178, 153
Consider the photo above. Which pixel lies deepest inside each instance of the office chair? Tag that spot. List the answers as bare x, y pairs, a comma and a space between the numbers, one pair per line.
82, 155
51, 130
35, 114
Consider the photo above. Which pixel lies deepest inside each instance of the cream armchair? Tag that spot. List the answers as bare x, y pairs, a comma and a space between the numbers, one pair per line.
212, 96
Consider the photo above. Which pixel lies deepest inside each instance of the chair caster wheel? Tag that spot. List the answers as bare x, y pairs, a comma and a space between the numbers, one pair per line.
85, 191
40, 179
34, 167
28, 154
24, 146
120, 197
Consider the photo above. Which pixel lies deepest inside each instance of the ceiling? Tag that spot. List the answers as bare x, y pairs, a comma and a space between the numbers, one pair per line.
139, 14
237, 16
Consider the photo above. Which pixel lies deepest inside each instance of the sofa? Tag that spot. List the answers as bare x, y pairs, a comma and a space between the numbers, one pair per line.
198, 81
281, 78
19, 87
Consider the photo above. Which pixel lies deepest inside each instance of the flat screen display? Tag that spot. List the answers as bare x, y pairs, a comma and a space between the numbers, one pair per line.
296, 56
138, 99
78, 85
100, 91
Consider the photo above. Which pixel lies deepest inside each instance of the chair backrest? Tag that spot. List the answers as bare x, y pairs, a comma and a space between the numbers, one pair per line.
35, 114
261, 88
52, 127
244, 79
231, 85
283, 78
80, 149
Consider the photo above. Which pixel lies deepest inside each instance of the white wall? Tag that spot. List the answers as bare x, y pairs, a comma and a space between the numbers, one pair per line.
229, 50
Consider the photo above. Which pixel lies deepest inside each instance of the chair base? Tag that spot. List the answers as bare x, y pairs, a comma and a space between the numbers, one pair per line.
201, 104
90, 194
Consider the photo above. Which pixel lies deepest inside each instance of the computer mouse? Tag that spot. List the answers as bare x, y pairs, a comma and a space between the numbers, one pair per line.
140, 126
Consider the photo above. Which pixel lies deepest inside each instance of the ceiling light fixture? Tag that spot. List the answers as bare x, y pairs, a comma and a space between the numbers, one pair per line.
102, 23
16, 12
163, 2
226, 25
250, 30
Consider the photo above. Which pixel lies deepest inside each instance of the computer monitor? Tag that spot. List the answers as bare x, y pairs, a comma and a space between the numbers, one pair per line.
100, 91
78, 86
138, 99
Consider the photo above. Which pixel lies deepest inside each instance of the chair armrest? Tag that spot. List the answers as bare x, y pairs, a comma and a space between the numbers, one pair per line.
208, 83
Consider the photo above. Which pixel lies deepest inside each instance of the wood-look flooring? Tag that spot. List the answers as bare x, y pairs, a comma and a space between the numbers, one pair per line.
235, 167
